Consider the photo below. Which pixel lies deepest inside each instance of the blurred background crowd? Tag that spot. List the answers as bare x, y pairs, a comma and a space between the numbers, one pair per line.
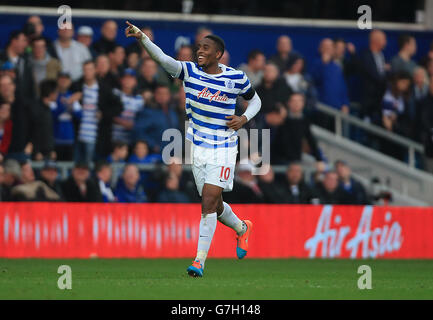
100, 104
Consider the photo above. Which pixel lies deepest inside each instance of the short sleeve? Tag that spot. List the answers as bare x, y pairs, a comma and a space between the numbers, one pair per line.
244, 85
185, 71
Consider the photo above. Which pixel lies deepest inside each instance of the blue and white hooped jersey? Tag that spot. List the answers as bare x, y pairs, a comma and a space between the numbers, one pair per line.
209, 99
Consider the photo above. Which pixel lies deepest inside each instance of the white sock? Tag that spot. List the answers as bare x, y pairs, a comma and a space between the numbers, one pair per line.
229, 219
208, 225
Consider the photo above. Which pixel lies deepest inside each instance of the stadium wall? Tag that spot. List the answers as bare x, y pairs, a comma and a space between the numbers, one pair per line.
72, 230
241, 34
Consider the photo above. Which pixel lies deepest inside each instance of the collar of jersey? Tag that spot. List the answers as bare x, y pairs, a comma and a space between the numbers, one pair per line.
214, 76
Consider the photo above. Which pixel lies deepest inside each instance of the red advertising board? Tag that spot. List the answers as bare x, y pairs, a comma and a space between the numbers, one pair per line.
71, 230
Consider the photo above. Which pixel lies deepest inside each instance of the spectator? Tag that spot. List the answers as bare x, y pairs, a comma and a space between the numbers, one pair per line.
355, 191
141, 154
2, 180
420, 84
395, 112
274, 93
79, 188
49, 176
107, 42
85, 37
288, 142
132, 103
11, 178
7, 68
428, 57
103, 179
246, 186
328, 78
5, 128
171, 192
66, 112
44, 66
149, 78
329, 191
128, 189
300, 82
103, 72
30, 189
136, 47
152, 122
20, 117
185, 53
71, 53
298, 191
373, 75
284, 54
186, 179
99, 106
426, 110
402, 61
119, 153
254, 68
38, 31
132, 61
14, 53
344, 56
225, 59
117, 59
43, 136
273, 192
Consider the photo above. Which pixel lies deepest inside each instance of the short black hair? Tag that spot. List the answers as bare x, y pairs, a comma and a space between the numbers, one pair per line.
119, 144
403, 40
47, 87
101, 164
254, 53
219, 42
14, 35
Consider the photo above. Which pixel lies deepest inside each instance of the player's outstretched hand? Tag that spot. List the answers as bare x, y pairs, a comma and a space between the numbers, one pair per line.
132, 31
236, 122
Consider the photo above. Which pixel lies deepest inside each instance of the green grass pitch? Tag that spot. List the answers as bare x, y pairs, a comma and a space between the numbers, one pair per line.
223, 279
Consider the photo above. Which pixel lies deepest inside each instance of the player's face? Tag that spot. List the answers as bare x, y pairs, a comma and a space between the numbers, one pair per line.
207, 53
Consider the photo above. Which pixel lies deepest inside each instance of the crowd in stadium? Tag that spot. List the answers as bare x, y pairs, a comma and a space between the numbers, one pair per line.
93, 101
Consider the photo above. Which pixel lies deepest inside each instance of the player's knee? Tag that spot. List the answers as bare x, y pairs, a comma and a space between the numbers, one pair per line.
209, 203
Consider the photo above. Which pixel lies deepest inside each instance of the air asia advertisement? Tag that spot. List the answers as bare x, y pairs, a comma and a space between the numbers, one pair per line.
60, 230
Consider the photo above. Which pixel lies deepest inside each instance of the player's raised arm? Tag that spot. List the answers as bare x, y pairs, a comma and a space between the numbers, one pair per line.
170, 65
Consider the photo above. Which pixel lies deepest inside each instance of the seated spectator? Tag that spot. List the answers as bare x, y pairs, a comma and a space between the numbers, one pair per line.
186, 179
44, 66
66, 112
152, 122
148, 78
99, 106
11, 178
254, 67
329, 191
49, 175
108, 38
225, 59
288, 143
43, 136
171, 192
245, 187
395, 112
185, 53
30, 189
285, 53
273, 192
403, 62
299, 82
104, 173
119, 153
128, 189
141, 154
298, 191
5, 128
79, 187
355, 191
132, 61
329, 79
71, 53
85, 37
131, 104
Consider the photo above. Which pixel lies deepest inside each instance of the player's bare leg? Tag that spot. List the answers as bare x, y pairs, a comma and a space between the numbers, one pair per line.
211, 196
243, 228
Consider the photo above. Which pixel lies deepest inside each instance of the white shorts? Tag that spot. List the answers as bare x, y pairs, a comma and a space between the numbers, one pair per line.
213, 166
